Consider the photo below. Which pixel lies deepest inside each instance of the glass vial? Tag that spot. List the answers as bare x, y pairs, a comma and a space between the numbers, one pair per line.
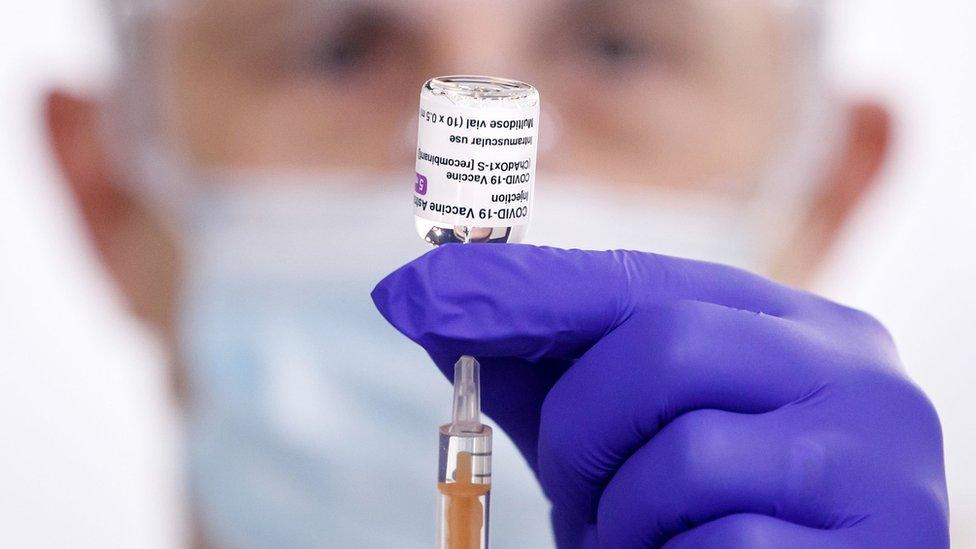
477, 144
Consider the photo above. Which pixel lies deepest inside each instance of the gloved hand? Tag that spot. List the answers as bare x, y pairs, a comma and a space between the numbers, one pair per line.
667, 402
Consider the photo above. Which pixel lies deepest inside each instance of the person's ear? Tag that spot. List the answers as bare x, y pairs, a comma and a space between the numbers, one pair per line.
856, 167
80, 152
133, 247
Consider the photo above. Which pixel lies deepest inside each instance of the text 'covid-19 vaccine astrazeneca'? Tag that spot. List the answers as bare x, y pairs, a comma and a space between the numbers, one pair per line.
477, 145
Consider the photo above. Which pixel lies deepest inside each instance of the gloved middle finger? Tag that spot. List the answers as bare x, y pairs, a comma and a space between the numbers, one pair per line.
663, 362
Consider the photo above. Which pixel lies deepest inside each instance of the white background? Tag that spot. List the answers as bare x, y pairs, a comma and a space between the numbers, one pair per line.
88, 445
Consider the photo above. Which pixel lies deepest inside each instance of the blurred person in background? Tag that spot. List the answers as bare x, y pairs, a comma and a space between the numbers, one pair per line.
245, 185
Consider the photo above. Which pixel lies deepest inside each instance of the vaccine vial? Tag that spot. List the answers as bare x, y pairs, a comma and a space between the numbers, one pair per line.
477, 144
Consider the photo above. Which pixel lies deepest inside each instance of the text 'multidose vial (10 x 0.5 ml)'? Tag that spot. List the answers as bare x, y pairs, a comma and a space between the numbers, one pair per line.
477, 145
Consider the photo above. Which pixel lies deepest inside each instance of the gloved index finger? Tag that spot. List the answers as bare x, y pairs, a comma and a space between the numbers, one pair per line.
535, 302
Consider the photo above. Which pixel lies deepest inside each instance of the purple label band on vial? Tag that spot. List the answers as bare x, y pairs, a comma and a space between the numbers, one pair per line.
421, 187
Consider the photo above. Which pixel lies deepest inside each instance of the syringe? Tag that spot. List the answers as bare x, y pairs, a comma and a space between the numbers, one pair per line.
464, 474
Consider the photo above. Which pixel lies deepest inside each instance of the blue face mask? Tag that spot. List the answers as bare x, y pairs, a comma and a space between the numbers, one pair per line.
312, 423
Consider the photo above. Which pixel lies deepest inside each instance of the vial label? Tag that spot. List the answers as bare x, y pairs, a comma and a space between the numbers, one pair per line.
475, 163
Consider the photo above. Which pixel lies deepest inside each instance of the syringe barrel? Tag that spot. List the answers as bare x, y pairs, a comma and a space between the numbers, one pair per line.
464, 484
478, 445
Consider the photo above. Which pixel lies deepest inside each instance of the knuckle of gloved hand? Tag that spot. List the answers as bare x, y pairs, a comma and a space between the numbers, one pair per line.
889, 401
858, 322
871, 323
928, 507
698, 441
917, 410
673, 333
746, 532
560, 433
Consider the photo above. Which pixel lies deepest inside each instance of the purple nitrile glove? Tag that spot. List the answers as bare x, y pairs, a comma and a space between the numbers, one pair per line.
667, 402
